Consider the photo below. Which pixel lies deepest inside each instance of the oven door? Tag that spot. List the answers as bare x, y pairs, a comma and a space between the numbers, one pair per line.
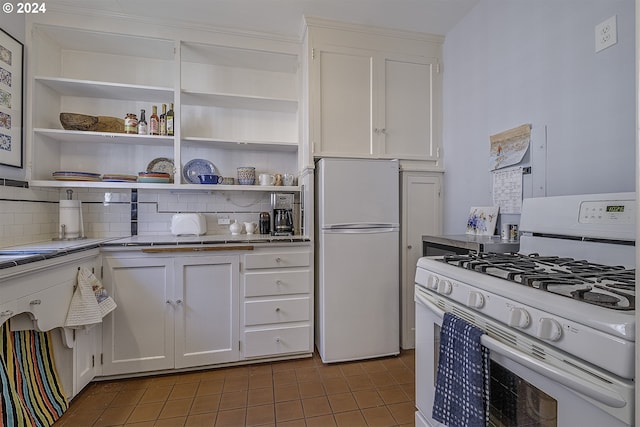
524, 391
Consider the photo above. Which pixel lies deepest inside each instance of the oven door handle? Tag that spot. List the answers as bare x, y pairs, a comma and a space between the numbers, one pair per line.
590, 389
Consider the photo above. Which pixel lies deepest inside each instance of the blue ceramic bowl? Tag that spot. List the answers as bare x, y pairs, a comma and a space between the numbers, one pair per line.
210, 179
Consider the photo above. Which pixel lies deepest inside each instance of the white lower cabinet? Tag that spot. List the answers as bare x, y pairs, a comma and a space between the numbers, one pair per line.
277, 308
173, 312
87, 351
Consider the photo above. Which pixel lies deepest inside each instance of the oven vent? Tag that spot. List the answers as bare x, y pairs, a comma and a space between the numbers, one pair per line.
500, 334
538, 352
466, 316
587, 371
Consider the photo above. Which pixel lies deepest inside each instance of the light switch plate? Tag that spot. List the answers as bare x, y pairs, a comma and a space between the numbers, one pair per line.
606, 34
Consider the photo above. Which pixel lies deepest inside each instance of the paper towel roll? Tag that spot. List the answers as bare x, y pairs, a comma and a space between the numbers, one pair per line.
71, 218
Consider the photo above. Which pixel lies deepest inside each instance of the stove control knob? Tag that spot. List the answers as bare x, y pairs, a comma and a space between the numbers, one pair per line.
444, 287
432, 282
475, 300
549, 329
518, 318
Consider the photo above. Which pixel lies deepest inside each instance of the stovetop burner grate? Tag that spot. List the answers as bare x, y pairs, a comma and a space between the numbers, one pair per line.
602, 285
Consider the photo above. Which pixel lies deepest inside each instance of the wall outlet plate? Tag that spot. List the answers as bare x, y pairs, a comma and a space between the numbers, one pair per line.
606, 34
224, 220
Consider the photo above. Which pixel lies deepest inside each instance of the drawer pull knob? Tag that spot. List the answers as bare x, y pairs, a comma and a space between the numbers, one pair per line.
277, 309
278, 339
168, 301
179, 301
278, 282
6, 313
278, 259
35, 302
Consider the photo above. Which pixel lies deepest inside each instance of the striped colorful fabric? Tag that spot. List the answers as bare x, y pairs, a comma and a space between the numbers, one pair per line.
32, 394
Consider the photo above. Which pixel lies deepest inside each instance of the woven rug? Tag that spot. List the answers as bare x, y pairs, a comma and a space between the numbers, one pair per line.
32, 394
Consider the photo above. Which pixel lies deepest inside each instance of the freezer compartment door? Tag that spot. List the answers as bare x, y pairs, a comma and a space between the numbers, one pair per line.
358, 295
354, 191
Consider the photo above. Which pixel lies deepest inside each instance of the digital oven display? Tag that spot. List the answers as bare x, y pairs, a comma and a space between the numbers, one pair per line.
615, 208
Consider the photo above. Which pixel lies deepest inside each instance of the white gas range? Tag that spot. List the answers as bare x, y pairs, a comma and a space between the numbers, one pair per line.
559, 316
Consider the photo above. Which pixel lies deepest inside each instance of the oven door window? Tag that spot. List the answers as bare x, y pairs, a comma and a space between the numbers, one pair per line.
513, 402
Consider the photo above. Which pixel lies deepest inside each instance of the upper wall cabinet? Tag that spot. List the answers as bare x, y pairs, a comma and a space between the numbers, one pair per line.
373, 93
235, 104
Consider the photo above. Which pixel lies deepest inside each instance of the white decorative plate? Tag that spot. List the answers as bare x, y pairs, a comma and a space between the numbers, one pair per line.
161, 164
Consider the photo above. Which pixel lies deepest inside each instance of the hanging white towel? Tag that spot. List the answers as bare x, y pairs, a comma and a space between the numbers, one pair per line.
89, 303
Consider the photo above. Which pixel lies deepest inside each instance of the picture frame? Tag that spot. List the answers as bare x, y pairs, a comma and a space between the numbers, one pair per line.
11, 101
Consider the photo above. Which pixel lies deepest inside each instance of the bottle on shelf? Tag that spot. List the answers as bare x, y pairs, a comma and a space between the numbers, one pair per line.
154, 121
143, 129
163, 120
170, 120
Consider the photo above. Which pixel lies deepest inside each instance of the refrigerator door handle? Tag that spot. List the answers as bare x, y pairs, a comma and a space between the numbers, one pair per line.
360, 225
360, 230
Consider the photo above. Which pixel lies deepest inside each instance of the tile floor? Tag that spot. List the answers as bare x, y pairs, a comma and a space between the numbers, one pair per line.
302, 392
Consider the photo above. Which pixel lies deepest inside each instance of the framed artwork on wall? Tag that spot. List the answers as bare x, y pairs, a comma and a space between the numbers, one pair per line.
11, 102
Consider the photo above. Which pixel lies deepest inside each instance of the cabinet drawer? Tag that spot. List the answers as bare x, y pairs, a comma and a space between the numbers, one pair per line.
49, 307
277, 260
276, 311
277, 282
267, 342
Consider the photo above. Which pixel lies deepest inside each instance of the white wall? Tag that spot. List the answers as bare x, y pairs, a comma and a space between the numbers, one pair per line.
509, 63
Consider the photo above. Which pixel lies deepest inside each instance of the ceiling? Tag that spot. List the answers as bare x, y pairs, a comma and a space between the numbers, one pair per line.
284, 17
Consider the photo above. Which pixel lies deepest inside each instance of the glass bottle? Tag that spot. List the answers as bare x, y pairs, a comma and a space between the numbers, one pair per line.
170, 120
163, 120
130, 123
154, 121
143, 129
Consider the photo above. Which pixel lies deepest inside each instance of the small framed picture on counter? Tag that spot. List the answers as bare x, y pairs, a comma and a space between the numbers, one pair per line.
11, 102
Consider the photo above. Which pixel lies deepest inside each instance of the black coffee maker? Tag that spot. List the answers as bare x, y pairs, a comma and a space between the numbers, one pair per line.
282, 205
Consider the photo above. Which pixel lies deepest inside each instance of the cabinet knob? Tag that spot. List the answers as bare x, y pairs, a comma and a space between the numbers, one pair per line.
410, 247
179, 301
6, 313
35, 302
277, 309
278, 282
278, 259
278, 339
168, 301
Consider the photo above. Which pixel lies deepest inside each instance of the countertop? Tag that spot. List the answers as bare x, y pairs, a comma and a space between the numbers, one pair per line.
473, 242
13, 256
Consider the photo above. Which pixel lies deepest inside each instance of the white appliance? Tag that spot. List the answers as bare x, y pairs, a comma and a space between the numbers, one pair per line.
559, 316
357, 259
188, 224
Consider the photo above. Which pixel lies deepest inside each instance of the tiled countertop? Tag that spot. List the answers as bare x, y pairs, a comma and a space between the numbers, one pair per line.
13, 256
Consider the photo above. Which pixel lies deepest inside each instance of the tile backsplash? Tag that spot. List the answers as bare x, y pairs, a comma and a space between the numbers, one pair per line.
30, 215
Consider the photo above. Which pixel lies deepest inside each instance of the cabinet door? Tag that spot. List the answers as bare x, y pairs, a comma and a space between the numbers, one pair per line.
342, 101
409, 116
138, 334
206, 310
86, 353
421, 214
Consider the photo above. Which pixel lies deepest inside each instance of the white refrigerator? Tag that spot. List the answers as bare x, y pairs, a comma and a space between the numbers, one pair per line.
357, 259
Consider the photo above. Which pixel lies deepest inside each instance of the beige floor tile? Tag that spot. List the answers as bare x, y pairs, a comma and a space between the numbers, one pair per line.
147, 412
156, 394
342, 402
234, 400
206, 403
367, 399
260, 415
286, 411
184, 390
322, 421
176, 408
260, 396
350, 419
316, 406
378, 417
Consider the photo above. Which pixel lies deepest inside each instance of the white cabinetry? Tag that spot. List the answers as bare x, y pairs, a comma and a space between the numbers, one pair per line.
373, 93
277, 309
236, 102
87, 351
173, 312
421, 206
